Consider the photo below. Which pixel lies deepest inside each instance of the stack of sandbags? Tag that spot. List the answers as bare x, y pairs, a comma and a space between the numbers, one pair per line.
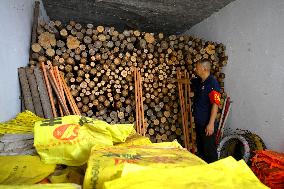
17, 144
269, 168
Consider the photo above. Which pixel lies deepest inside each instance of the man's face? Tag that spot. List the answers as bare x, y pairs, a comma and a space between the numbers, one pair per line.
199, 69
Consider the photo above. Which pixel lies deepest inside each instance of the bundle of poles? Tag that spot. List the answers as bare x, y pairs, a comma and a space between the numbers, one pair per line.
140, 122
55, 82
45, 92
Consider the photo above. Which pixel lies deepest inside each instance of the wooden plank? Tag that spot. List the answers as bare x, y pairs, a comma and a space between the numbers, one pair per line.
45, 101
34, 91
28, 101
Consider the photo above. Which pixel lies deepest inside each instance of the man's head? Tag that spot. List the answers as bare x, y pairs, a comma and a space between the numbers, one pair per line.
202, 68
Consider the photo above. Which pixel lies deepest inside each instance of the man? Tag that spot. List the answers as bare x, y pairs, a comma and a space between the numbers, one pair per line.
205, 107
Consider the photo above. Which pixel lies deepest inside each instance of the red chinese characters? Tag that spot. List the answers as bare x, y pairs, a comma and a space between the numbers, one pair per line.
66, 132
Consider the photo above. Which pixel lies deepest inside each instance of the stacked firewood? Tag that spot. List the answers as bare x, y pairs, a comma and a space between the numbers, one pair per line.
97, 63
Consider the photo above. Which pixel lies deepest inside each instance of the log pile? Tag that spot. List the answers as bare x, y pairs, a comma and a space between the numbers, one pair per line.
97, 63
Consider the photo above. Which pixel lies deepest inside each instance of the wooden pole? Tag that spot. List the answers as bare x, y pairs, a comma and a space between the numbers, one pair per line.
35, 22
141, 104
136, 100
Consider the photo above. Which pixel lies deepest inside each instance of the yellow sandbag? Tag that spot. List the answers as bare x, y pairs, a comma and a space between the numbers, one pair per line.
68, 140
135, 140
42, 186
23, 169
107, 163
225, 173
23, 123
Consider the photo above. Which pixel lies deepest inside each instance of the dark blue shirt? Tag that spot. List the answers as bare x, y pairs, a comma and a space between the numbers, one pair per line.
201, 103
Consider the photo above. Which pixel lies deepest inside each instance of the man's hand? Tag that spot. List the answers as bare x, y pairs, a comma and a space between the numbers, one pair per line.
209, 129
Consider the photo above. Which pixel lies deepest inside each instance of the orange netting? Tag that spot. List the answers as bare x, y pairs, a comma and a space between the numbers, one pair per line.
268, 166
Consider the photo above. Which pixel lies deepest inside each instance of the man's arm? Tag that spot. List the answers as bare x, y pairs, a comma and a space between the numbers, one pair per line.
210, 127
214, 97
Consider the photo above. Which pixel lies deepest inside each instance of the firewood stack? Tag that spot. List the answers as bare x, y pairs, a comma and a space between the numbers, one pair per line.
97, 62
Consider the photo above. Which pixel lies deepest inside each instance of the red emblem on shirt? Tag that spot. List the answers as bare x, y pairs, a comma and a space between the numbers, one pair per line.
215, 97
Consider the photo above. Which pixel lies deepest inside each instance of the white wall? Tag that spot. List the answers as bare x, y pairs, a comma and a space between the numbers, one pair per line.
253, 32
15, 32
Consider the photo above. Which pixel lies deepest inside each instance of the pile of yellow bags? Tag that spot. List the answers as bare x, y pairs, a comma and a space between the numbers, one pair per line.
116, 157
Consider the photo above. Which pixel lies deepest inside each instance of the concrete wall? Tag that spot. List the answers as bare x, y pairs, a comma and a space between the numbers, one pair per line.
15, 32
252, 31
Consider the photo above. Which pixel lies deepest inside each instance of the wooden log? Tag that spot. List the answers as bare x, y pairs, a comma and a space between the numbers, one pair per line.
78, 26
60, 43
72, 42
100, 29
58, 24
35, 22
50, 52
63, 33
36, 47
87, 39
47, 40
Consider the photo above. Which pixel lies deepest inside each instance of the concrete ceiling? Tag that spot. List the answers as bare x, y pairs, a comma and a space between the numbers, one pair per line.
167, 16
